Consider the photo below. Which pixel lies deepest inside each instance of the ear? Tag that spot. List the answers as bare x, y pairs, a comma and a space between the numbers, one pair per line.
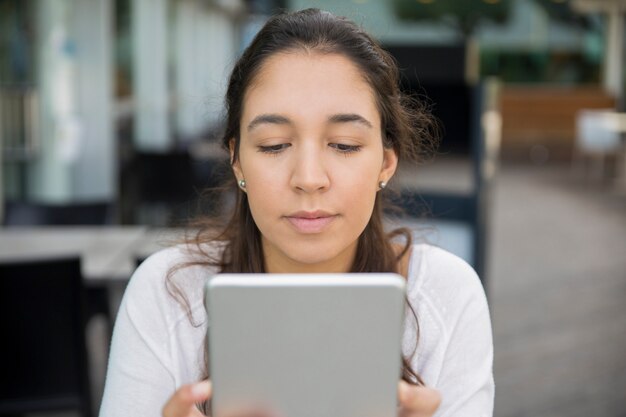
234, 164
390, 164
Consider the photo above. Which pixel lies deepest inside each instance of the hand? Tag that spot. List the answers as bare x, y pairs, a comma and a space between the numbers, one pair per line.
183, 402
417, 401
414, 401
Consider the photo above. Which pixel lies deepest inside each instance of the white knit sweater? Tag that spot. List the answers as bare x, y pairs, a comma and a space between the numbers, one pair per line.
155, 348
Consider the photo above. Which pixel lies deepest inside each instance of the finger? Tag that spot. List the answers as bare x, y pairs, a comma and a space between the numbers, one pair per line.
256, 410
416, 400
183, 402
248, 413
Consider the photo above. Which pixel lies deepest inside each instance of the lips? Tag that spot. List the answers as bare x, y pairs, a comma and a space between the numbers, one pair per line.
310, 221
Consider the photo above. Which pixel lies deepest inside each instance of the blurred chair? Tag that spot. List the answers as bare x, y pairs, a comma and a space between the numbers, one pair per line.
599, 136
161, 186
42, 310
85, 214
469, 111
461, 219
164, 188
21, 213
448, 220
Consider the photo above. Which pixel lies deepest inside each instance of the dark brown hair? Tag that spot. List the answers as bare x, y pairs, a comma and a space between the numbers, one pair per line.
406, 127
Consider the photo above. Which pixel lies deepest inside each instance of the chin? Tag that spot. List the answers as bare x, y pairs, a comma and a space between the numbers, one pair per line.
310, 256
315, 252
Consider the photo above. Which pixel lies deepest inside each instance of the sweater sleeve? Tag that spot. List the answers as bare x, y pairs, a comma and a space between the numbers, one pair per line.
466, 377
140, 378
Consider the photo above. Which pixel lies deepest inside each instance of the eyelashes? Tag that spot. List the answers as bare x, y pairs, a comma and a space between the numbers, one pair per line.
339, 147
274, 149
345, 149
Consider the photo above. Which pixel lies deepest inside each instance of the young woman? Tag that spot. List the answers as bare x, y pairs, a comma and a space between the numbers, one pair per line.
316, 126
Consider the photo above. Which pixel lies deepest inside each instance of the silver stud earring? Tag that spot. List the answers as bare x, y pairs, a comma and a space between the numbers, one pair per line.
382, 185
242, 184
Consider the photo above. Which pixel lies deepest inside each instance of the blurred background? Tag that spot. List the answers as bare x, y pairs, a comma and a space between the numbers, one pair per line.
110, 117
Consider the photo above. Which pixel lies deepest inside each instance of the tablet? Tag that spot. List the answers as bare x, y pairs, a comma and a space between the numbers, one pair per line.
300, 345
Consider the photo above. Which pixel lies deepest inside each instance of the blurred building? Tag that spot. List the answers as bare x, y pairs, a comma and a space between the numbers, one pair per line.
86, 85
554, 57
79, 79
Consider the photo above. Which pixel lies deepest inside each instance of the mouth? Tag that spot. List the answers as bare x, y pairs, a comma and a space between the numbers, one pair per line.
311, 222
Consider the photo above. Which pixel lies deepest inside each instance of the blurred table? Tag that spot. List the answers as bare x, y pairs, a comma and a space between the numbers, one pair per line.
108, 254
603, 132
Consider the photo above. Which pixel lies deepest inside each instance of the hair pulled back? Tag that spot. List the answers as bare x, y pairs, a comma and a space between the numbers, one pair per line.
406, 126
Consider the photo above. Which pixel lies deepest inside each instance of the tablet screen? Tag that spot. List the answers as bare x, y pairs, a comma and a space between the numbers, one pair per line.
306, 345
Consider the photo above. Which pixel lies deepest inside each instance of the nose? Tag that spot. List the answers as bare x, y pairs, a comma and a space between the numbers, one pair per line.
309, 171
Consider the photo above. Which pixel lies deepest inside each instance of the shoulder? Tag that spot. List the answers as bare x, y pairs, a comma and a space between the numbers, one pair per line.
453, 315
437, 271
152, 273
174, 261
158, 283
444, 287
160, 324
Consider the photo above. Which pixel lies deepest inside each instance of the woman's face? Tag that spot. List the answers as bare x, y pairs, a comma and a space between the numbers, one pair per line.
312, 156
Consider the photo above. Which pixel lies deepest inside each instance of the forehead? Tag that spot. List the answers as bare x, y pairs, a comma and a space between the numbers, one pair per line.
307, 85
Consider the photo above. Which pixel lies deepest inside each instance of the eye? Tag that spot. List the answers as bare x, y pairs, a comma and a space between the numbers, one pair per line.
274, 149
343, 148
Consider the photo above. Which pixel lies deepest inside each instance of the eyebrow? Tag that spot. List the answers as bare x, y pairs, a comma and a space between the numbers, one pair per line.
350, 118
277, 119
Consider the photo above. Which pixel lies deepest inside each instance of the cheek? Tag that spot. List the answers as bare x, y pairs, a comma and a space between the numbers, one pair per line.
264, 188
357, 190
360, 203
263, 201
361, 177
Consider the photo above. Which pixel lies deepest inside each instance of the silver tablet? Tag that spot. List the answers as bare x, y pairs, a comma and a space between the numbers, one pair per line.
319, 345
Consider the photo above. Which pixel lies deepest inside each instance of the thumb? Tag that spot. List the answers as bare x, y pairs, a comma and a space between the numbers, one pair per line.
183, 402
418, 400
